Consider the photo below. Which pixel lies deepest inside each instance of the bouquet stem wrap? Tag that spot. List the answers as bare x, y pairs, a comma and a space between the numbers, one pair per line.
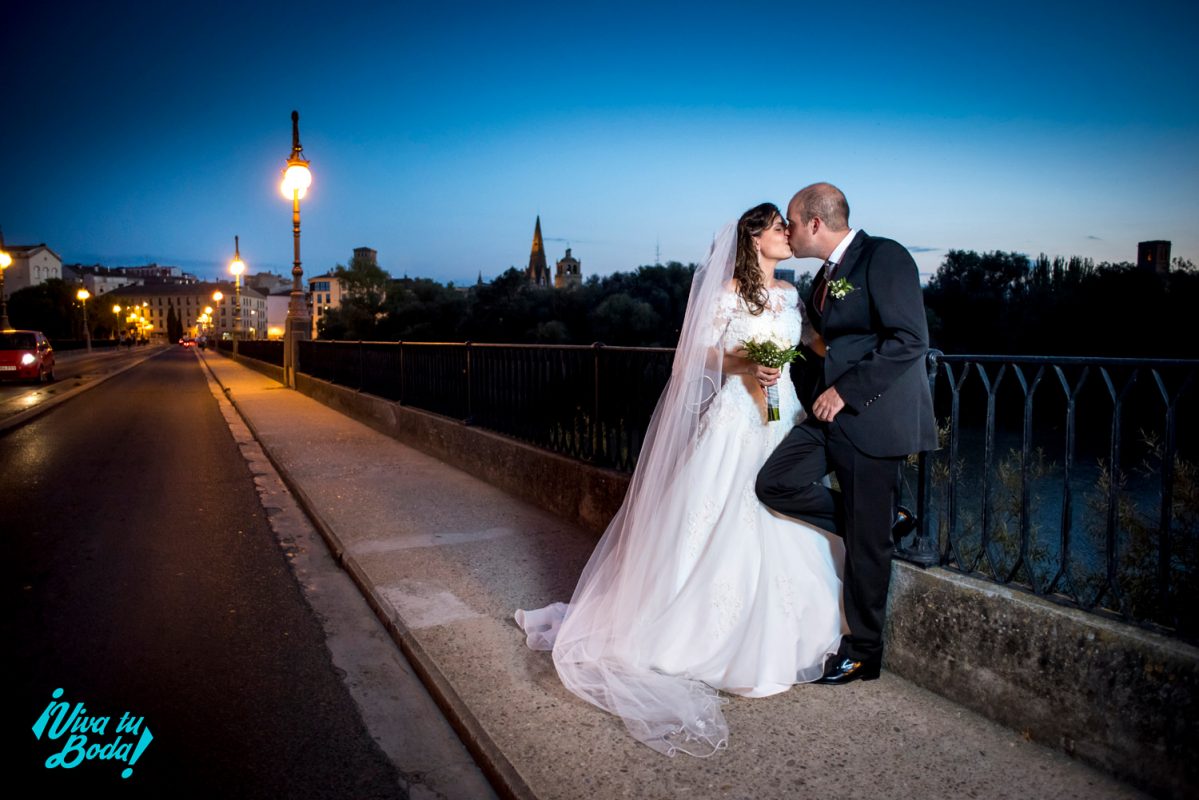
772, 403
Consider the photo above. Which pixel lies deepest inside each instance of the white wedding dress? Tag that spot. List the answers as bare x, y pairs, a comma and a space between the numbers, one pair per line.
703, 587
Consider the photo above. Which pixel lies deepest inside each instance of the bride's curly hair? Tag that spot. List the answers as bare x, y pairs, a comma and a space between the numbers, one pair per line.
746, 270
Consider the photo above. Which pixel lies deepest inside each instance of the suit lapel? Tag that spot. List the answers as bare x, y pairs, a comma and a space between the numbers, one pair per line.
849, 260
852, 254
845, 269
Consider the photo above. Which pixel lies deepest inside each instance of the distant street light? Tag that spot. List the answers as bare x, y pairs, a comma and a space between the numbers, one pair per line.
5, 263
217, 297
237, 268
116, 325
296, 180
83, 295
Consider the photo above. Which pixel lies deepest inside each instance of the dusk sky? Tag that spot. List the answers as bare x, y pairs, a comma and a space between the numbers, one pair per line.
138, 132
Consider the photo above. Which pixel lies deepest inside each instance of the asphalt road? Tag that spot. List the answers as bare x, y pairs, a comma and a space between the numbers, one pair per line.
141, 576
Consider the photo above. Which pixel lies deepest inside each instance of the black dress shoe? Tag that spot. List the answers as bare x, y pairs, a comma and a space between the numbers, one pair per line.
843, 669
905, 523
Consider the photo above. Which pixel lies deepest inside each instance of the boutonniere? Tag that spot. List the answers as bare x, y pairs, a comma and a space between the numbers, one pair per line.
840, 288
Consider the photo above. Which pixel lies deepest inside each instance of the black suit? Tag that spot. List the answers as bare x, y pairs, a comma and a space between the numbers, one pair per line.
877, 338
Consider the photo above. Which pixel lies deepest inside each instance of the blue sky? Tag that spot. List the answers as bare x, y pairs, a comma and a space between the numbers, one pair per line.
139, 131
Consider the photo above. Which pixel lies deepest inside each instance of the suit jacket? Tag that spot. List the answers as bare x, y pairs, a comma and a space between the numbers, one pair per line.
877, 338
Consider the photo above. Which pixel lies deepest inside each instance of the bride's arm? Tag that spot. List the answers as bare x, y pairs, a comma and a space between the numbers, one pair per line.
735, 361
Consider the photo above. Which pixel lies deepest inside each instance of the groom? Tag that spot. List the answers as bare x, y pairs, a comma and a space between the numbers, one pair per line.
869, 407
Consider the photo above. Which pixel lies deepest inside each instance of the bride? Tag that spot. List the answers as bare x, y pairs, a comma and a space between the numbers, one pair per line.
696, 587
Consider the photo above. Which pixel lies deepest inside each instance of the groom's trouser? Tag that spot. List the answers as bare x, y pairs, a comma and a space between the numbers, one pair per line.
862, 513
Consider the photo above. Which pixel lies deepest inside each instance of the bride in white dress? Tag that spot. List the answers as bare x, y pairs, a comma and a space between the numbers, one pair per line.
696, 587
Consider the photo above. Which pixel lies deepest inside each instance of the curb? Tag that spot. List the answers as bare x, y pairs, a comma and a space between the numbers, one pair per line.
499, 771
22, 417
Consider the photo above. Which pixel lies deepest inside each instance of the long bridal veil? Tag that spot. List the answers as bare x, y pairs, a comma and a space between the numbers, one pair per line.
602, 641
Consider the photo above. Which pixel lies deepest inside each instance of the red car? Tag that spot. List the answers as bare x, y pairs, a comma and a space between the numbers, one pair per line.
26, 355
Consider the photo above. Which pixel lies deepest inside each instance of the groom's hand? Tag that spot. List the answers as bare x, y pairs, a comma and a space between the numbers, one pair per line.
828, 405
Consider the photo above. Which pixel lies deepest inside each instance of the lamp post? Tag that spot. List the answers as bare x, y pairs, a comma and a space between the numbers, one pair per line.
209, 326
217, 297
116, 324
5, 263
237, 267
296, 180
83, 295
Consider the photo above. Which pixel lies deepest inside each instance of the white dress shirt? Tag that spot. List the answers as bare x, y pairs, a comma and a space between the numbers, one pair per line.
839, 250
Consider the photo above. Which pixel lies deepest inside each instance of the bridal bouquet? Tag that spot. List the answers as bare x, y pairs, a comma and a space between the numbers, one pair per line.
774, 353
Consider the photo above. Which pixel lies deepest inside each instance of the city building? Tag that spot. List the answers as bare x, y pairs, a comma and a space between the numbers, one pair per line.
1154, 256
538, 272
267, 283
147, 308
157, 273
31, 265
324, 295
97, 279
570, 272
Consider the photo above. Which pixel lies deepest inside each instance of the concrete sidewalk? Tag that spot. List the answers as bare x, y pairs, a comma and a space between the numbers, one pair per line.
445, 559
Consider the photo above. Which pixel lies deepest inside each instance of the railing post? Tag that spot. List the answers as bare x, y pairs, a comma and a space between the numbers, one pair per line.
596, 430
400, 344
470, 415
924, 550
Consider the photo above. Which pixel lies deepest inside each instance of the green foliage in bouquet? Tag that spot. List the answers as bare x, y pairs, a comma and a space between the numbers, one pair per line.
770, 354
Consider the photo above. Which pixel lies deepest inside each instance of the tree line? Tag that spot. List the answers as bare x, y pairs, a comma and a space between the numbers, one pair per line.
994, 302
643, 308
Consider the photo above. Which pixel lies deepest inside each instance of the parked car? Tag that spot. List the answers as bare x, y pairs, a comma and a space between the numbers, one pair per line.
26, 355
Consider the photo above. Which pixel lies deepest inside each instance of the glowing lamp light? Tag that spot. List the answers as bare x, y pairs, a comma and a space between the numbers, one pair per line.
237, 267
6, 259
82, 294
296, 180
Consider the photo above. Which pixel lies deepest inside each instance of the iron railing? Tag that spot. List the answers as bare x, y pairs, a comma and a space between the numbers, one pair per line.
589, 402
1076, 479
268, 350
1072, 478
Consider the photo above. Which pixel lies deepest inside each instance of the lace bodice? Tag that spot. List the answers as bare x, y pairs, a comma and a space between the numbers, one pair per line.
781, 319
741, 404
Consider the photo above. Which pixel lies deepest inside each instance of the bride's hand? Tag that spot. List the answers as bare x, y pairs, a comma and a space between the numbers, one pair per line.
765, 376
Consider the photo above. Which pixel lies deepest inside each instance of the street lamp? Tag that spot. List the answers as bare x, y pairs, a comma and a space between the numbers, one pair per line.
237, 267
83, 295
6, 262
116, 325
217, 297
296, 180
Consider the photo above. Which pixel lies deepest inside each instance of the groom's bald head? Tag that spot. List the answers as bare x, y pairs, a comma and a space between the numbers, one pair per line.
823, 201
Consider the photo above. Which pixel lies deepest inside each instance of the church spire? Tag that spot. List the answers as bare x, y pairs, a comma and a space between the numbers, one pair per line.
538, 271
